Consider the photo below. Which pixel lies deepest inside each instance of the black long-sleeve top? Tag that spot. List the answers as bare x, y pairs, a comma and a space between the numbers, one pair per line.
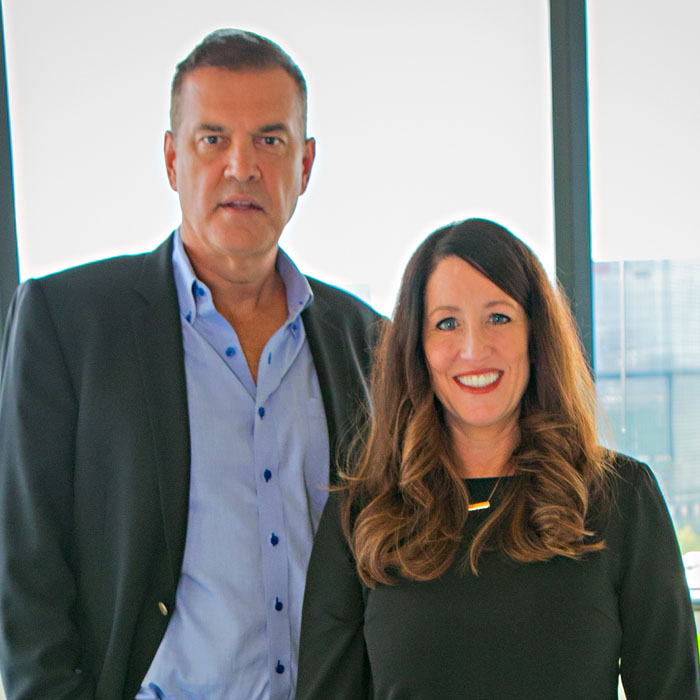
557, 630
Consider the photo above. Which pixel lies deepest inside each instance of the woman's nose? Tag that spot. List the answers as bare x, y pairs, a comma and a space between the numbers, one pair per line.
474, 343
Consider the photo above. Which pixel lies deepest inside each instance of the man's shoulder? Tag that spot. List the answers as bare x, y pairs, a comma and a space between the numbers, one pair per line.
106, 289
100, 273
121, 269
104, 279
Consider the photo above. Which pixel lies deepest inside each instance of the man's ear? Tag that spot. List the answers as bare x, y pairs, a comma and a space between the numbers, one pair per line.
307, 162
169, 152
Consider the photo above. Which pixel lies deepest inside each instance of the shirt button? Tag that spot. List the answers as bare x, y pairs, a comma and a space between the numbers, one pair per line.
199, 291
267, 475
274, 540
261, 412
279, 668
163, 608
278, 604
230, 352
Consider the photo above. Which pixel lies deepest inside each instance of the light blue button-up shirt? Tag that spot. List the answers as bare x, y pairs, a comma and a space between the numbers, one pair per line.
258, 478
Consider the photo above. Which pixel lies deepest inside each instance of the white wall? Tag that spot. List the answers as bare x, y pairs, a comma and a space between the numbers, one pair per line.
422, 115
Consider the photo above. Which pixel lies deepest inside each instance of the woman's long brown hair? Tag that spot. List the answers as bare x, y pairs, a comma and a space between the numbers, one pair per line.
406, 503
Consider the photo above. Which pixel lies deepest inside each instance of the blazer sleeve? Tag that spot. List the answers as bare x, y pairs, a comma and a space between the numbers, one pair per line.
40, 647
659, 655
333, 659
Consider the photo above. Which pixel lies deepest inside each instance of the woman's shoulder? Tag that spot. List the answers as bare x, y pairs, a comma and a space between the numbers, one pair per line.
630, 473
634, 488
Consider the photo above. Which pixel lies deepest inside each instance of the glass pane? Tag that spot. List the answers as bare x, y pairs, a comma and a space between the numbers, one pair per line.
645, 179
420, 118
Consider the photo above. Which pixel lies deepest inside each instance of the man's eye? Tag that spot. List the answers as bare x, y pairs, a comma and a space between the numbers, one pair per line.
499, 319
447, 324
270, 140
211, 140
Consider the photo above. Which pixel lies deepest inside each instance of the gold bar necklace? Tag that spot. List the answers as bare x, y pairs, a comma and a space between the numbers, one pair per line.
483, 505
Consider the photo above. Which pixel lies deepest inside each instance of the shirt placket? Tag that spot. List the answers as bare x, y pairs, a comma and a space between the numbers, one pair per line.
272, 532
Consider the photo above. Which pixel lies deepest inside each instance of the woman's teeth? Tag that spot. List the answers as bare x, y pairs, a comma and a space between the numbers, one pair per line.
478, 380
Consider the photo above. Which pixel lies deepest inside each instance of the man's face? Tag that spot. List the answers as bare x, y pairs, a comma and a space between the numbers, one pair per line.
238, 160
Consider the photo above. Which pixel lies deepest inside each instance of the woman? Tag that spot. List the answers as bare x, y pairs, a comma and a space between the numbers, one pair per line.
483, 546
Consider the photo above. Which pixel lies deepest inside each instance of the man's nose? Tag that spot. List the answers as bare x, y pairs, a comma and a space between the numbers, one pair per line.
241, 162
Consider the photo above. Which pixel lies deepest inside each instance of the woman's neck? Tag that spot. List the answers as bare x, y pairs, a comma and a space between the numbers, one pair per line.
485, 452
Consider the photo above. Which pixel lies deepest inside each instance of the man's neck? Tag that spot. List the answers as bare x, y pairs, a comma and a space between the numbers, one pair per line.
250, 294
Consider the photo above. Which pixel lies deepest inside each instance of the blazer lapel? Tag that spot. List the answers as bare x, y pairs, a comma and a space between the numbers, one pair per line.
161, 358
335, 371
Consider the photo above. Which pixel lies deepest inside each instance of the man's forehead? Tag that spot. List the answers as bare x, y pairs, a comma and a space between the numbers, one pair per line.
247, 73
270, 94
271, 85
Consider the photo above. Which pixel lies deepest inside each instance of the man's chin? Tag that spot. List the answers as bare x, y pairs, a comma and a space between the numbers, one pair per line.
244, 243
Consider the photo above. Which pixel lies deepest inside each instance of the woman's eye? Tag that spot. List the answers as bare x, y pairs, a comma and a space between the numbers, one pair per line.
447, 324
499, 319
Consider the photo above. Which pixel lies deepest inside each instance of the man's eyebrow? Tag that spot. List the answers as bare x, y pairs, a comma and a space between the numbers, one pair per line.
267, 128
211, 127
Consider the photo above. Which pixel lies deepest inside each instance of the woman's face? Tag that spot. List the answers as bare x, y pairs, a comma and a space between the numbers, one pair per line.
475, 339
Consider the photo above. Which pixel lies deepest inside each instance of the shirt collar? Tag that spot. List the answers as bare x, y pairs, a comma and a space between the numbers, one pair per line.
194, 296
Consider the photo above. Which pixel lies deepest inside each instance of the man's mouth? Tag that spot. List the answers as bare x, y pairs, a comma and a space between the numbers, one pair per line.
241, 204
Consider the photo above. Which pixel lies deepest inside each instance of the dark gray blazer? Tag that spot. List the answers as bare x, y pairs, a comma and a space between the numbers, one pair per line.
95, 461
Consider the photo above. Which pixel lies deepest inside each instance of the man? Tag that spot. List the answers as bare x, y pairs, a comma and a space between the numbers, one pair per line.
167, 421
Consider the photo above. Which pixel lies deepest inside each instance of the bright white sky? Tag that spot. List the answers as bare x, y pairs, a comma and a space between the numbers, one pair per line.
420, 118
644, 75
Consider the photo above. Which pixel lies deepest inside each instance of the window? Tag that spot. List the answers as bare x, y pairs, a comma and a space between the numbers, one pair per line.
420, 119
645, 148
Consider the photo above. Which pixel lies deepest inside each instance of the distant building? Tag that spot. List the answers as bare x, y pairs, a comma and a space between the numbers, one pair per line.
651, 393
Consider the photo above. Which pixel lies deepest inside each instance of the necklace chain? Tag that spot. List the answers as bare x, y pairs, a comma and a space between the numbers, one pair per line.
483, 505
